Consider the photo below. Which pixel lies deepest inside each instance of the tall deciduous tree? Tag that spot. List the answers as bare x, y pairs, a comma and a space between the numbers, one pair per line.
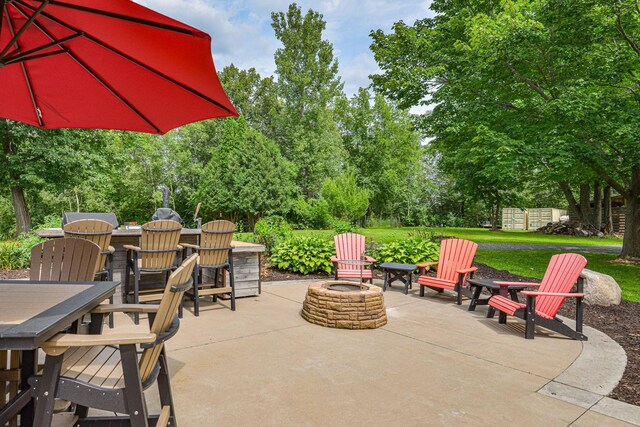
556, 79
383, 148
307, 86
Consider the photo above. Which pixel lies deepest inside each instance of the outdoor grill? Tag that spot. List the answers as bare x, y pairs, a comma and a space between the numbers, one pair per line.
109, 217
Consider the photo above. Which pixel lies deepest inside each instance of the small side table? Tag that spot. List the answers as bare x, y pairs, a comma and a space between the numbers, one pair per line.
476, 285
396, 271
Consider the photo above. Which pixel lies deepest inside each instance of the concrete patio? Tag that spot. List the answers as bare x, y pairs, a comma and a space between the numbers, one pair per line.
434, 363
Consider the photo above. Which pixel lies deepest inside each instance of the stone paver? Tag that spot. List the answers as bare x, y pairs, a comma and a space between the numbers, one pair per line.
434, 363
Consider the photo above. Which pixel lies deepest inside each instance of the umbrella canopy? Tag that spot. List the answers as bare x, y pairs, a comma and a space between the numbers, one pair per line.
108, 64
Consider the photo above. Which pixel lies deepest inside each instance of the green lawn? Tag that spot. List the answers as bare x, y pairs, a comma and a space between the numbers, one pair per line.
534, 263
478, 235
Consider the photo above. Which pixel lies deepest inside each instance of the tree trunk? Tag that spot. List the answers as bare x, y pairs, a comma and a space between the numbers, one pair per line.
597, 205
574, 209
607, 220
631, 242
585, 202
23, 220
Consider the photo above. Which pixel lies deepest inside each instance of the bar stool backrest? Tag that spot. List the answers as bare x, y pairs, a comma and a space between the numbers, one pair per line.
64, 260
215, 243
94, 230
159, 244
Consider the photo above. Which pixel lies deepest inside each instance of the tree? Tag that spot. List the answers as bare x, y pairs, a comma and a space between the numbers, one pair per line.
307, 86
384, 150
556, 79
246, 176
33, 159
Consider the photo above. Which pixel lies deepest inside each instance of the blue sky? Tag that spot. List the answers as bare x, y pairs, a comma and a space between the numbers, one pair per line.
242, 34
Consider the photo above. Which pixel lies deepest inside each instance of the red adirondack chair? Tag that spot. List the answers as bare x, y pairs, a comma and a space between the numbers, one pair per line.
350, 261
543, 305
452, 268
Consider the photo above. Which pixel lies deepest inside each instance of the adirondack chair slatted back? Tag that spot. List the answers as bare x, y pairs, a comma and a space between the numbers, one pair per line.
179, 281
455, 254
349, 246
562, 273
94, 230
159, 243
64, 260
215, 243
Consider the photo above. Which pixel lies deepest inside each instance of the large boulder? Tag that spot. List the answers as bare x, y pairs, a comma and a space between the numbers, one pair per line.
600, 289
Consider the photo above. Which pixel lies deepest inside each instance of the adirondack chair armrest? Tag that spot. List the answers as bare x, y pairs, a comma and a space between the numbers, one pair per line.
423, 266
466, 270
370, 259
334, 259
516, 284
62, 342
180, 247
553, 294
126, 308
111, 250
131, 248
190, 246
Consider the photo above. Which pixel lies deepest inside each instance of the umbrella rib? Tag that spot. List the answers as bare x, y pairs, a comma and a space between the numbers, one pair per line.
129, 58
14, 56
26, 25
26, 74
120, 17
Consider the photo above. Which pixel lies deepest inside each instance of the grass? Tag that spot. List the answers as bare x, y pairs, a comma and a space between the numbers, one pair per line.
478, 235
534, 263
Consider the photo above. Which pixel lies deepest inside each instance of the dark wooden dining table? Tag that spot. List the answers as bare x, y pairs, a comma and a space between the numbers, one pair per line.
31, 312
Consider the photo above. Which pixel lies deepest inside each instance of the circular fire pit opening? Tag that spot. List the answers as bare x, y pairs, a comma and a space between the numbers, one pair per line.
344, 304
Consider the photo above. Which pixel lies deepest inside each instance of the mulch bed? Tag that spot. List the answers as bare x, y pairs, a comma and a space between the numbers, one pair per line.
621, 323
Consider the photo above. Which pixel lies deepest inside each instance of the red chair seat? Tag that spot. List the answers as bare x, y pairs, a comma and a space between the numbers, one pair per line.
509, 306
436, 283
344, 273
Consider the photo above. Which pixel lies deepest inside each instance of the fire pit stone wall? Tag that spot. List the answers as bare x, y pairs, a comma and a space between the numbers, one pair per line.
346, 305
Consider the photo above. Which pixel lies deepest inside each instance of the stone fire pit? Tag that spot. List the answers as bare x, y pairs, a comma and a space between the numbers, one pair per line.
344, 304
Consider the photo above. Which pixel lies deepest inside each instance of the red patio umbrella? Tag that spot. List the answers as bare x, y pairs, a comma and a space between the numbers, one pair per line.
108, 64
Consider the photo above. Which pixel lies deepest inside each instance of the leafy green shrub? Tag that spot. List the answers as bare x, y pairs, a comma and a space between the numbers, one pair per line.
346, 200
340, 226
311, 213
17, 253
271, 231
408, 251
304, 255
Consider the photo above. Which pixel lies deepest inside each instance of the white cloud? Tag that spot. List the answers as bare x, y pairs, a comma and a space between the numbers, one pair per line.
241, 29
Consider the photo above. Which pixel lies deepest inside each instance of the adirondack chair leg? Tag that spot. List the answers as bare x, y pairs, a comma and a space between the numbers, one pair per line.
197, 278
421, 290
136, 293
232, 283
110, 279
133, 386
164, 384
530, 318
579, 308
335, 271
216, 279
46, 390
458, 289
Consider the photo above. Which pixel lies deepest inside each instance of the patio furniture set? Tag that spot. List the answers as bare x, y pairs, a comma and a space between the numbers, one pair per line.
454, 272
91, 369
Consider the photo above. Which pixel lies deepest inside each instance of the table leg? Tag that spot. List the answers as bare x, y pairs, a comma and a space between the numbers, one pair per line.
386, 278
514, 295
407, 283
476, 296
28, 368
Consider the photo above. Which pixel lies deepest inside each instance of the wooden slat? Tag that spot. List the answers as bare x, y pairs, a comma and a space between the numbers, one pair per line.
65, 259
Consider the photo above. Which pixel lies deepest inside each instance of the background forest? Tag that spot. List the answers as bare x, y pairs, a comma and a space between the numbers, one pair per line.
532, 104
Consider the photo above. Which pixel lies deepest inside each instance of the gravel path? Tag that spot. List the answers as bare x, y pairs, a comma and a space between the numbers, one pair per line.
568, 248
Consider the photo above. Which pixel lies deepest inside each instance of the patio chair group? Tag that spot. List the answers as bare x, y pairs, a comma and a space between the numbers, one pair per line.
118, 374
454, 267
